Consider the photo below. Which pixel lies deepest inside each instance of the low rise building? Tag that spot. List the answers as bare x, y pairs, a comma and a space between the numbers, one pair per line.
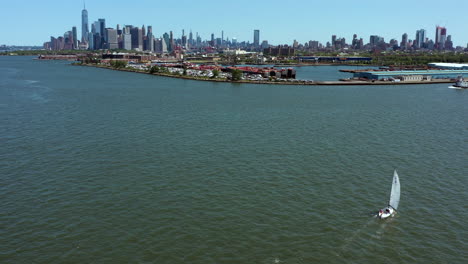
426, 74
448, 66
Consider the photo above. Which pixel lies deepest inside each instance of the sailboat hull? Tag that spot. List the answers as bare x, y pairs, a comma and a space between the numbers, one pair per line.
386, 212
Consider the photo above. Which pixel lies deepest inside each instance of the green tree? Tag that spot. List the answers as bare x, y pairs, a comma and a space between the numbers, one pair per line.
154, 69
236, 74
215, 74
118, 64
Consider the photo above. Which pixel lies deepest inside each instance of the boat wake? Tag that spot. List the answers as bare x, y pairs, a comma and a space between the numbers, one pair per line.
454, 87
350, 239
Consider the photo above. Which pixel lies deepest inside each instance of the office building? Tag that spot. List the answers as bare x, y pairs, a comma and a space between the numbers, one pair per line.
112, 42
84, 25
404, 42
166, 43
137, 38
150, 39
441, 37
256, 40
75, 39
102, 30
126, 41
420, 38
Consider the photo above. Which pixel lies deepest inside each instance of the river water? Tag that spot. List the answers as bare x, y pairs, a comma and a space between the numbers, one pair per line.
100, 166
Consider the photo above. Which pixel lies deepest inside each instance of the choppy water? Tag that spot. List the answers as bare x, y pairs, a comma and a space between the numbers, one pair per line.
98, 166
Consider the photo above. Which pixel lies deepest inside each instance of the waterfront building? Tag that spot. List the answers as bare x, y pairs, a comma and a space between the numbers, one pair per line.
449, 66
333, 59
84, 25
256, 39
427, 74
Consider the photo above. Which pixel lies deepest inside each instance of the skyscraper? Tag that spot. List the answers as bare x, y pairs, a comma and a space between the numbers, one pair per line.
84, 25
127, 39
102, 31
441, 37
404, 41
420, 38
256, 40
165, 42
137, 38
150, 39
190, 39
112, 42
171, 46
75, 40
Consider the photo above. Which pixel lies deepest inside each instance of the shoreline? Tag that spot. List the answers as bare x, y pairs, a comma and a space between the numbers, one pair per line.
304, 82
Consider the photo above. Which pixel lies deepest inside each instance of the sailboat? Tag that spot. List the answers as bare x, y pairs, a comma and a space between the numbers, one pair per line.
392, 207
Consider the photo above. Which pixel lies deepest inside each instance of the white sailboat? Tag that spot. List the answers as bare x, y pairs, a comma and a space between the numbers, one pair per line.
392, 207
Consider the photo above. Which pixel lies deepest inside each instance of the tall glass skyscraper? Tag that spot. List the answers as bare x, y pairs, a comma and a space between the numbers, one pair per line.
84, 25
256, 41
420, 38
441, 37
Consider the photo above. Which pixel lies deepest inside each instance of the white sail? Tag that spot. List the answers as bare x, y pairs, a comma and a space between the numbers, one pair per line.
395, 193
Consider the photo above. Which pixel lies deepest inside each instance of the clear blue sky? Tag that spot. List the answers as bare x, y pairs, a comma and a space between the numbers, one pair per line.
32, 22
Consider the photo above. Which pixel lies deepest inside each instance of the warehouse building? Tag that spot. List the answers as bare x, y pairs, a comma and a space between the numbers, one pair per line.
420, 74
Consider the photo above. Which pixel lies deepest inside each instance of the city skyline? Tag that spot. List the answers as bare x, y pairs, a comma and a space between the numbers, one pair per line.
319, 26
